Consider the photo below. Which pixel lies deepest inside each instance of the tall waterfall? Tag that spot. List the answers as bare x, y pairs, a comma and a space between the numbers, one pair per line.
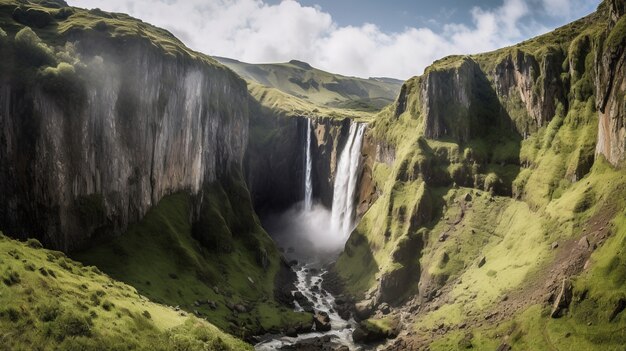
346, 180
308, 179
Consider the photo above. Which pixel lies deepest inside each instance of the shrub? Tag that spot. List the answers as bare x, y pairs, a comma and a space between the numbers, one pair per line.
32, 49
29, 266
180, 342
101, 26
95, 299
12, 314
585, 202
617, 35
43, 271
34, 244
72, 324
48, 312
11, 277
107, 305
64, 13
146, 314
491, 182
63, 82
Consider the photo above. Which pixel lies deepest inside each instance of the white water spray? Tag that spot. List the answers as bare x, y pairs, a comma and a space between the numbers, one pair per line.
308, 179
345, 182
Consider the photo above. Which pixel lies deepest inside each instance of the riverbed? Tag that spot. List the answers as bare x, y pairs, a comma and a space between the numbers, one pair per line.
309, 284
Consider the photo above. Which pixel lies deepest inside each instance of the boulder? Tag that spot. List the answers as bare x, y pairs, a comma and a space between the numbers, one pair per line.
367, 332
583, 243
482, 261
291, 332
363, 309
384, 308
344, 312
321, 321
563, 299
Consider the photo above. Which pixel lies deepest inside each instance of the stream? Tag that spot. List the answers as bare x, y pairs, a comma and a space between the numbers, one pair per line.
314, 236
310, 277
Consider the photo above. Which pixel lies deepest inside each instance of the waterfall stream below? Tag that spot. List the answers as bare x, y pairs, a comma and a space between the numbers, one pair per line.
313, 237
309, 284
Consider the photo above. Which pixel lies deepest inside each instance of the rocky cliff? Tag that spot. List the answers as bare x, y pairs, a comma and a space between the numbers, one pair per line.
610, 84
126, 149
100, 126
490, 175
275, 158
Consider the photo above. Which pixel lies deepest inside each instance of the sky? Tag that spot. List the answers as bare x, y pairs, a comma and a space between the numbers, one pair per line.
391, 38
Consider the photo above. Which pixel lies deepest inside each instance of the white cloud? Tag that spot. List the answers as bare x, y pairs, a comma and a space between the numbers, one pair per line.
254, 31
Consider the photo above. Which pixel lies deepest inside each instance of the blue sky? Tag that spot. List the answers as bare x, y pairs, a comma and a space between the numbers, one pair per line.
395, 15
392, 38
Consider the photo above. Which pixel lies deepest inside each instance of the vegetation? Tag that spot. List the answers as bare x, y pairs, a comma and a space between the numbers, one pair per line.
60, 312
500, 217
276, 102
219, 259
308, 85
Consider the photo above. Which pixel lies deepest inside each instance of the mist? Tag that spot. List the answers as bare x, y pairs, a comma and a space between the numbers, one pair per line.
306, 234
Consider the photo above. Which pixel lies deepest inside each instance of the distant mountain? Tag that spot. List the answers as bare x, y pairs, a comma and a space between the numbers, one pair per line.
319, 87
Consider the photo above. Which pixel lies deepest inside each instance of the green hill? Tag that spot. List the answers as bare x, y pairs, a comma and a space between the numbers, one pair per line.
319, 87
49, 302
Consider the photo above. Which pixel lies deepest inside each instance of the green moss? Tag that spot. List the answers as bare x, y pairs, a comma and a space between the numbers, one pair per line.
617, 35
56, 313
32, 49
168, 261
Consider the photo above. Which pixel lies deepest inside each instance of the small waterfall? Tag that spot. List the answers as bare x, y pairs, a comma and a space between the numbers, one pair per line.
346, 181
308, 179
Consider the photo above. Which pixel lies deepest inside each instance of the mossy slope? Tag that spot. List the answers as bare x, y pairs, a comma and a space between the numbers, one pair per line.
224, 257
319, 88
48, 301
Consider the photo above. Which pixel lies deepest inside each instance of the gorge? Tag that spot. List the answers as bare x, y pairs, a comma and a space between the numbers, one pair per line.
156, 198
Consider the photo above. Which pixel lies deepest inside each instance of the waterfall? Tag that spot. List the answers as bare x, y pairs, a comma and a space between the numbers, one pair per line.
346, 180
308, 179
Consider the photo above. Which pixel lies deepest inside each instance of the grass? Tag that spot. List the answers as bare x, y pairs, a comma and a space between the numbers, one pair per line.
58, 312
165, 262
68, 21
279, 103
325, 91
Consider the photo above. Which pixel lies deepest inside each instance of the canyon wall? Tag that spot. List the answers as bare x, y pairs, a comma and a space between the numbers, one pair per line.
275, 158
527, 121
89, 147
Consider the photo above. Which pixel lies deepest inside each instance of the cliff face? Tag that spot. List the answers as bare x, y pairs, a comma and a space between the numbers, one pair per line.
610, 86
476, 152
329, 139
275, 159
138, 125
536, 85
